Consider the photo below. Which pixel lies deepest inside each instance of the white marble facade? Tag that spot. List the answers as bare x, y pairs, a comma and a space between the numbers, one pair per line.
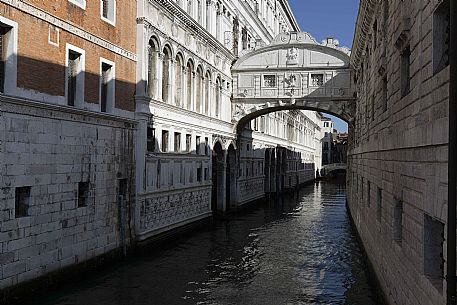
186, 141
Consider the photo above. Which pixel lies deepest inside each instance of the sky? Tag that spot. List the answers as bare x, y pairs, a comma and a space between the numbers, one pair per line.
324, 18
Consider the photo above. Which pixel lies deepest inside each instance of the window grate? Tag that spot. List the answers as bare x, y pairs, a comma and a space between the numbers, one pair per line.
105, 8
73, 59
317, 80
269, 81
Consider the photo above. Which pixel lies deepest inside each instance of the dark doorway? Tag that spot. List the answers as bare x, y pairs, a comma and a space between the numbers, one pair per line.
217, 168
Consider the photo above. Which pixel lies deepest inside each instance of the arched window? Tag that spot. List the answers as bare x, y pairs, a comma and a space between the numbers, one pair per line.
152, 68
178, 80
166, 62
207, 92
189, 84
199, 90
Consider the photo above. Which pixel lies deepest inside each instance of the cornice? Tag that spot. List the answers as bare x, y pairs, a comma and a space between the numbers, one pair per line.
255, 17
69, 27
363, 27
208, 63
192, 25
23, 102
288, 10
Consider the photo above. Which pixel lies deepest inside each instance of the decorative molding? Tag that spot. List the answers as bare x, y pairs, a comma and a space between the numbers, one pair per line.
195, 28
363, 27
16, 105
72, 29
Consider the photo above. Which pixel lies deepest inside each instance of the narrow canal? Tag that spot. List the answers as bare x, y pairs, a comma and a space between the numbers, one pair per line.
301, 250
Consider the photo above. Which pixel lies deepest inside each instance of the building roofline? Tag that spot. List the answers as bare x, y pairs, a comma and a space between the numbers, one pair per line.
362, 28
290, 14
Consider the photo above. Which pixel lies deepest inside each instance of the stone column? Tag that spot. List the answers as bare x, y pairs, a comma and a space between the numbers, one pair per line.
213, 19
209, 98
184, 87
172, 85
221, 190
208, 15
193, 92
159, 89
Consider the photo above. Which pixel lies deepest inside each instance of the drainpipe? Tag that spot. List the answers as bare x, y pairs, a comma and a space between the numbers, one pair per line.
452, 159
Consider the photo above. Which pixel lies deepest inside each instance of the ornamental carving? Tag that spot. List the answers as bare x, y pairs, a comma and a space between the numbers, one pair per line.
292, 56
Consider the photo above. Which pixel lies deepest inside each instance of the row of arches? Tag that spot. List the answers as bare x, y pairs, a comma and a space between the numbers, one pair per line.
182, 83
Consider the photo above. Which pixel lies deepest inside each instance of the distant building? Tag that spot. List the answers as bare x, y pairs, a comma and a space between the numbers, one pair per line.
340, 147
327, 140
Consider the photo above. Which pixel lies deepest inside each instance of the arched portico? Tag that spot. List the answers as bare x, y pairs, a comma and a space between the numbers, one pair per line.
294, 72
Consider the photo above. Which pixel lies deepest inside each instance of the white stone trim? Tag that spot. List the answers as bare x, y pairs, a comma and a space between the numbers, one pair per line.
10, 84
111, 95
108, 20
80, 3
79, 98
54, 43
66, 26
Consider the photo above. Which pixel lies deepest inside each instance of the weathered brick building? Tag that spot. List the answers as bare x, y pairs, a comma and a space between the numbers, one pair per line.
398, 154
67, 76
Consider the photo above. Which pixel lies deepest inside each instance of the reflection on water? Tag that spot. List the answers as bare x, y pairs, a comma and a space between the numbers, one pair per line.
300, 250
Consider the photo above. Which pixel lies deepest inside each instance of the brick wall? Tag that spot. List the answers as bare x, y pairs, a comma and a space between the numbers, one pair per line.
42, 52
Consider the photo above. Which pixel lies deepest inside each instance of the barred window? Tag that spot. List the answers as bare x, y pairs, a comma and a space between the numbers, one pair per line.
269, 81
3, 48
441, 36
317, 80
22, 201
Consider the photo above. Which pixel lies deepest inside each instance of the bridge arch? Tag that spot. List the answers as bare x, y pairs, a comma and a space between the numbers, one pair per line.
294, 72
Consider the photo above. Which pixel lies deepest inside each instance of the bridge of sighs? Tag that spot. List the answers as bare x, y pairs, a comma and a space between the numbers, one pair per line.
294, 72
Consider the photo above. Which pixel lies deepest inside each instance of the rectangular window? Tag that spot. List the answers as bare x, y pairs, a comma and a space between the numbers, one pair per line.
199, 174
206, 174
197, 144
177, 142
379, 205
164, 140
21, 201
317, 80
398, 221
80, 3
151, 139
384, 94
375, 34
206, 147
106, 86
433, 251
105, 8
362, 188
269, 81
3, 55
441, 36
108, 11
188, 142
405, 71
369, 194
74, 60
373, 100
83, 193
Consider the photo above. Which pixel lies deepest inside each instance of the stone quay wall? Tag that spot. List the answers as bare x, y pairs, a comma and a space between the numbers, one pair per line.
69, 166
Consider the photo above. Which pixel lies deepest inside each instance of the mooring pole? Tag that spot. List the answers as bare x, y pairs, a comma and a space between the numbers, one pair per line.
452, 159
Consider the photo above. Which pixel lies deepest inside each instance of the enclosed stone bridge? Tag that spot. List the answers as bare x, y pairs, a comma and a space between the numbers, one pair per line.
294, 72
